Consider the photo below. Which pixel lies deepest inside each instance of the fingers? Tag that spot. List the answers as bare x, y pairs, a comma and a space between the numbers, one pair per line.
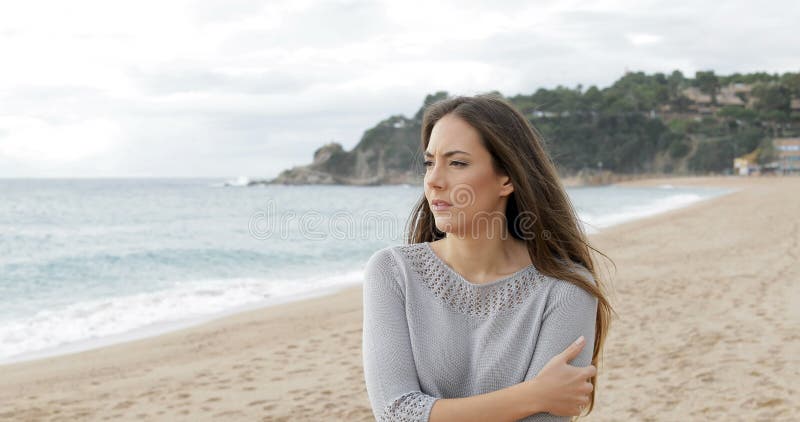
573, 349
590, 371
582, 404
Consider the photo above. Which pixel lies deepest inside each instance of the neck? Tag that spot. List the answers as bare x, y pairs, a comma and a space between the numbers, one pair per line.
485, 257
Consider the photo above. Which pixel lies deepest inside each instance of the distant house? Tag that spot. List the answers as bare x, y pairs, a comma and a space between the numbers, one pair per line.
727, 95
695, 95
740, 88
746, 164
788, 150
795, 104
540, 113
700, 101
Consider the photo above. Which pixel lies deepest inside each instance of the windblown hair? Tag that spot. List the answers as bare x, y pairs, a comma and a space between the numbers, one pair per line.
553, 235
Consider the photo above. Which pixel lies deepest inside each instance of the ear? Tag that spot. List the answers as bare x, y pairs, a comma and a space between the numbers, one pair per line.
507, 187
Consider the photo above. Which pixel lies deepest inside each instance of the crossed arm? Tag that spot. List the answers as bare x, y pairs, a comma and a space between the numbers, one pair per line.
391, 375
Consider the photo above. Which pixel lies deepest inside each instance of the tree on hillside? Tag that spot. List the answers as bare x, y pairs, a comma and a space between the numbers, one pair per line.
708, 83
675, 83
430, 99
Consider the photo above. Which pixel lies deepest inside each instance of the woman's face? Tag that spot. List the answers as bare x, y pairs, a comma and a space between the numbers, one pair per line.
466, 180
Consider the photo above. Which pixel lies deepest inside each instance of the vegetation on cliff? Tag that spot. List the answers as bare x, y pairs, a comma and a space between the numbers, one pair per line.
640, 124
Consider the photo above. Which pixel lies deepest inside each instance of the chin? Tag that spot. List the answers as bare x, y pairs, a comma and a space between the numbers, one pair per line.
445, 227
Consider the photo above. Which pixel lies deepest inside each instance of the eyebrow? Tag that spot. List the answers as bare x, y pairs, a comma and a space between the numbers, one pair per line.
448, 153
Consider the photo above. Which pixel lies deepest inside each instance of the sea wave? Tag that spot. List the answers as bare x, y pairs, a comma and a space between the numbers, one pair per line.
594, 222
91, 323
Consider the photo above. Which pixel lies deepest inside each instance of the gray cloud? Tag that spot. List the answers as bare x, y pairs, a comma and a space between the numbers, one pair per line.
248, 87
177, 78
215, 11
330, 24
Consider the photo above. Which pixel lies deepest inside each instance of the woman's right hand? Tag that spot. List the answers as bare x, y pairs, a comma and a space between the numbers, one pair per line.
562, 389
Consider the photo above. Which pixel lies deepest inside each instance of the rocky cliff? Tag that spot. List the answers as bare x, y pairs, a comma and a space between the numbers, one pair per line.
388, 153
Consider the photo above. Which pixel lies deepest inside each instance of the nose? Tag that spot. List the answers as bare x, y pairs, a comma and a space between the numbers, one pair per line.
435, 177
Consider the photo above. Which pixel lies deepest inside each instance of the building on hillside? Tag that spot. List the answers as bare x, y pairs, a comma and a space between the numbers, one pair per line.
746, 165
788, 150
740, 88
695, 95
541, 113
727, 96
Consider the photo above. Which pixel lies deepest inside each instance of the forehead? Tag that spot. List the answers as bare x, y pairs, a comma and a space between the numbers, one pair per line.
453, 133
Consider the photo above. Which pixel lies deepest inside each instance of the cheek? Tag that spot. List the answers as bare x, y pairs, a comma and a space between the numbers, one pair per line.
471, 196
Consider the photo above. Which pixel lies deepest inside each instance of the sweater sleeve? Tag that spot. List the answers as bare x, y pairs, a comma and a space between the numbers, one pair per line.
569, 314
389, 369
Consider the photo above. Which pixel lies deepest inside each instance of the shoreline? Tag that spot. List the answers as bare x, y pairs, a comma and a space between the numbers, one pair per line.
697, 337
161, 328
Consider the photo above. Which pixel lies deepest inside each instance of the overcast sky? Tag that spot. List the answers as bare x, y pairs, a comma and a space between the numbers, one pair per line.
222, 88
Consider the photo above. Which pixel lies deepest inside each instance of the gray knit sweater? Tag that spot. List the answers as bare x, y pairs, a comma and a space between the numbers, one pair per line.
429, 333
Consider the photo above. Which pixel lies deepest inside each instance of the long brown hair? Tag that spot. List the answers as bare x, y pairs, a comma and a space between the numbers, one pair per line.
517, 150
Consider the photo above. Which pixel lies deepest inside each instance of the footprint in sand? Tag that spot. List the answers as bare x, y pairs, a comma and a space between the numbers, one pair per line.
705, 376
124, 404
770, 403
227, 414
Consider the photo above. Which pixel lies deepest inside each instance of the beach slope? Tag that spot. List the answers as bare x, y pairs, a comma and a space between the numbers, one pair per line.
708, 327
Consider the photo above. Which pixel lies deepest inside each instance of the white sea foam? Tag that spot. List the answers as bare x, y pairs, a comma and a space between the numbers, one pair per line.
90, 324
594, 222
237, 182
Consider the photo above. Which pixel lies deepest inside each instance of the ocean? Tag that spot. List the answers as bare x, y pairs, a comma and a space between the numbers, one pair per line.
90, 262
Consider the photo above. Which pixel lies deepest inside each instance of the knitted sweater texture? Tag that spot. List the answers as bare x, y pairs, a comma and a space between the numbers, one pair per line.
429, 333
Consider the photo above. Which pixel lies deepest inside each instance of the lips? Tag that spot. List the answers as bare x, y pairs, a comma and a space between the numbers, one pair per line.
439, 205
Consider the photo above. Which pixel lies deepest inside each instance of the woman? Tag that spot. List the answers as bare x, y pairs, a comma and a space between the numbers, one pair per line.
475, 318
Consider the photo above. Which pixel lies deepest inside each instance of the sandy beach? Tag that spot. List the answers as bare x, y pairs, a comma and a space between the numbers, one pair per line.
708, 328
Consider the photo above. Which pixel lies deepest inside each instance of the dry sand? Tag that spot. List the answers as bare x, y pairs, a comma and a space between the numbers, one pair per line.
708, 300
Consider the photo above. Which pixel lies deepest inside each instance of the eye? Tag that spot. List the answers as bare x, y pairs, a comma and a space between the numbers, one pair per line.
455, 163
